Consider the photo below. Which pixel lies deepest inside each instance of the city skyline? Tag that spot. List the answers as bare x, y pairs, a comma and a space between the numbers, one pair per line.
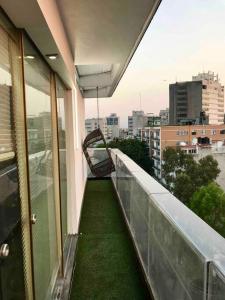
193, 43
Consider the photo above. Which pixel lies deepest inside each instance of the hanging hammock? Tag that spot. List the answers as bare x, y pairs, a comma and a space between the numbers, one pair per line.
105, 166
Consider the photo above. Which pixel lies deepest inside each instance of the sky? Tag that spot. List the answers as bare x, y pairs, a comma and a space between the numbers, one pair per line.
184, 38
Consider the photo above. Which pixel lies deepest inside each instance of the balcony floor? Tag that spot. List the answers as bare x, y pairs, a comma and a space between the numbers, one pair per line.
106, 263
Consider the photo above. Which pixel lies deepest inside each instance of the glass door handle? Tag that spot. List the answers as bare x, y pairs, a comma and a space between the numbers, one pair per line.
4, 250
33, 219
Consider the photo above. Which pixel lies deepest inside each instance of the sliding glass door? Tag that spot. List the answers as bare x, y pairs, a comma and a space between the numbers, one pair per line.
12, 283
46, 259
33, 172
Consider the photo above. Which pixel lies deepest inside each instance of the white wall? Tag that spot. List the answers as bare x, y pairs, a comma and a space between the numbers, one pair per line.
80, 161
75, 121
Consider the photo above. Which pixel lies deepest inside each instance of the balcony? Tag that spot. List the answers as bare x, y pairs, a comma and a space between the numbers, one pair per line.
106, 263
181, 256
156, 137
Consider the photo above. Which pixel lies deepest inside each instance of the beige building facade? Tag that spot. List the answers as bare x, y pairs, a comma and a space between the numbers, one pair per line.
191, 138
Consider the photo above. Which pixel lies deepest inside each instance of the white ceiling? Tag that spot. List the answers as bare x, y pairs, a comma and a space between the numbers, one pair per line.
103, 36
104, 33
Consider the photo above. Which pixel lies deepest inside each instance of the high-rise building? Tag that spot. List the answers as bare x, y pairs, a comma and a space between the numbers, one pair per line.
137, 120
190, 98
113, 126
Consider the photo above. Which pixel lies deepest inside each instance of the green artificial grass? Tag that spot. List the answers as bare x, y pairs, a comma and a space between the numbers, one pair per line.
106, 263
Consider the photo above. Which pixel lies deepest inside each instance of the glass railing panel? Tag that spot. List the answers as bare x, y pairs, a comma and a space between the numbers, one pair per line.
181, 258
139, 220
164, 282
216, 289
113, 175
174, 245
124, 188
96, 155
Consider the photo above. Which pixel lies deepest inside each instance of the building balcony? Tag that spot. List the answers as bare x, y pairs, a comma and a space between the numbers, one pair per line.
156, 138
156, 156
180, 255
157, 167
106, 264
156, 147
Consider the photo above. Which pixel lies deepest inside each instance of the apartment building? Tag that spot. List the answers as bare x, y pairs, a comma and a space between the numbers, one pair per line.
153, 121
164, 117
189, 99
94, 123
191, 138
109, 126
113, 126
123, 133
137, 120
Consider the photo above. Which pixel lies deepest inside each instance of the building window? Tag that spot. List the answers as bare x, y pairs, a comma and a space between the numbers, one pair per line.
222, 131
182, 132
193, 132
213, 131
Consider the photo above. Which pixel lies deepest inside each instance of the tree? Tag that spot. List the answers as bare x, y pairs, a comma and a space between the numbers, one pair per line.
176, 162
209, 204
183, 187
184, 175
136, 150
208, 169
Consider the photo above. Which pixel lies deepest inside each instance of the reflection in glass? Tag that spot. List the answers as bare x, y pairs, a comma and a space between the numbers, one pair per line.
39, 131
11, 267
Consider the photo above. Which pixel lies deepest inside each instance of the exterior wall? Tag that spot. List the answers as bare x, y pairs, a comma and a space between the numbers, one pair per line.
80, 162
172, 135
175, 136
136, 121
77, 167
130, 126
113, 126
164, 116
123, 134
188, 99
219, 155
185, 101
213, 101
212, 96
156, 150
77, 131
92, 124
153, 121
